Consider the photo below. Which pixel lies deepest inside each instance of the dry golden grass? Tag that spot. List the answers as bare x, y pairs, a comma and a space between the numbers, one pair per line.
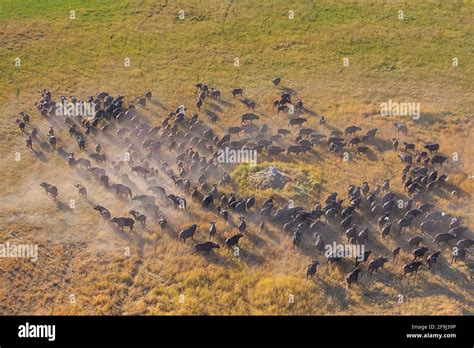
82, 256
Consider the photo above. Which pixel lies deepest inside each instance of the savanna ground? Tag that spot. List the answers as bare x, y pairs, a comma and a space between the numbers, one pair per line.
409, 59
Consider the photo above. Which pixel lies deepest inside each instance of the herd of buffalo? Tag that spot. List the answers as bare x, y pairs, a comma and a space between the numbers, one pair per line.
173, 162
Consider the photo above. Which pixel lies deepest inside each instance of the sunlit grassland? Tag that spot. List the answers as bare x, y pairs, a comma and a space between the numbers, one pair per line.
405, 60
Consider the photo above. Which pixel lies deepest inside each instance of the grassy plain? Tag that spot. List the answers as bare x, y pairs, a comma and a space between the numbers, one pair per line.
389, 58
